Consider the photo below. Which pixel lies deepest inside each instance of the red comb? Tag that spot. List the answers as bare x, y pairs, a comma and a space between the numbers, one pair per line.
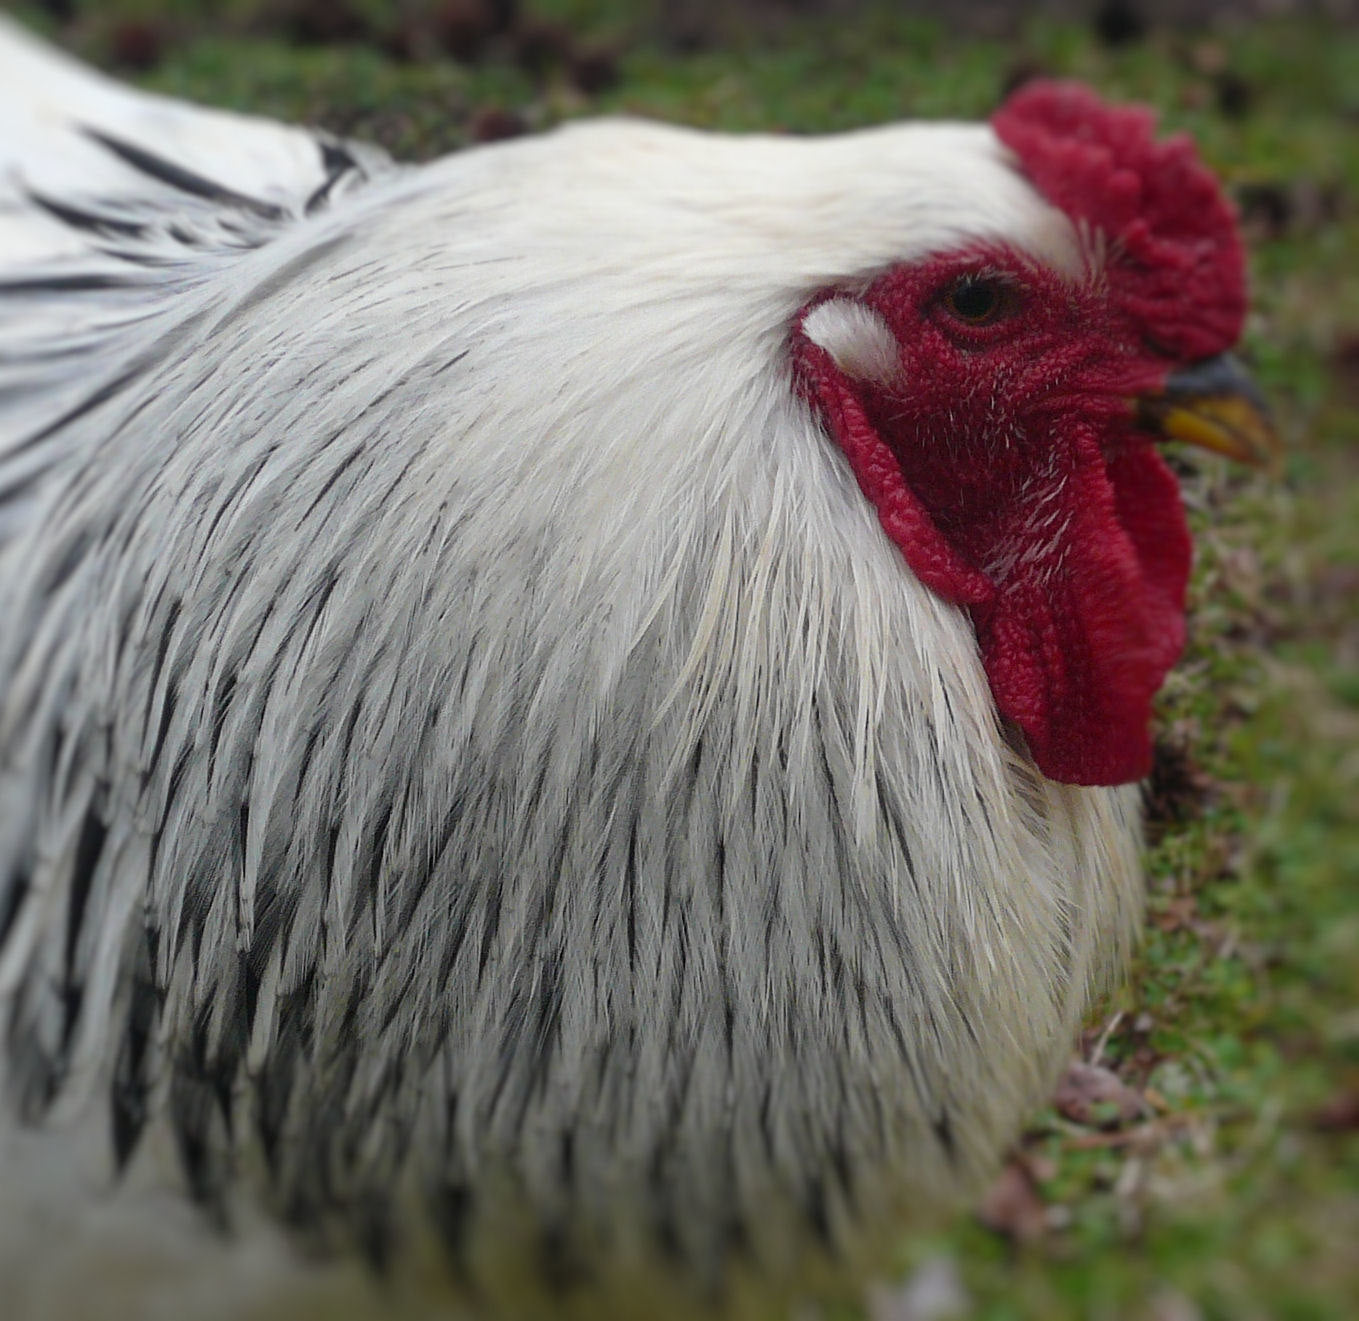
1175, 261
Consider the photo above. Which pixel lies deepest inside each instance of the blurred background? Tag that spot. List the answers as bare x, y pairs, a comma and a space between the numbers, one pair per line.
1200, 1159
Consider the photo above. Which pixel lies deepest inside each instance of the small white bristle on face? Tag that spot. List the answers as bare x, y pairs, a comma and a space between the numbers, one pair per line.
859, 340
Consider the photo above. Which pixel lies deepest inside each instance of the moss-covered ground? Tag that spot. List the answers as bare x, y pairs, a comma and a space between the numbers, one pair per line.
1229, 1187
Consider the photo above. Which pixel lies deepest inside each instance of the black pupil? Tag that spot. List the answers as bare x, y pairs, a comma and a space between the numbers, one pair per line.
974, 300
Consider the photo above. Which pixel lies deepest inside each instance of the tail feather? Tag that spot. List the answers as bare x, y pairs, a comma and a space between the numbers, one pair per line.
95, 154
112, 202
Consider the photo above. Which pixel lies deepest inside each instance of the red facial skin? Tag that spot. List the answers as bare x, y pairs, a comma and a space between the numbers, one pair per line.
1004, 461
1006, 467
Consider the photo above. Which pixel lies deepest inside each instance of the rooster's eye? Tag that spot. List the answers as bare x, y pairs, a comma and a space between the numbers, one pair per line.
977, 300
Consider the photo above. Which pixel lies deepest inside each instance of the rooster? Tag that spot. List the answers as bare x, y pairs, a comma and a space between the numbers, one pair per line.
580, 703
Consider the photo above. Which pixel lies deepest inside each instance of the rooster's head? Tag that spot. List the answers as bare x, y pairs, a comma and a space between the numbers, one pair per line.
1001, 413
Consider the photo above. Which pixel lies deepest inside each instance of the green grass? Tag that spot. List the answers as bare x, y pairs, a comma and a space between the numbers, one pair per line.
1233, 1198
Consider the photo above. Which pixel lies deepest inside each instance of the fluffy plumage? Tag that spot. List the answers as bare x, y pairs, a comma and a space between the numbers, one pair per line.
469, 747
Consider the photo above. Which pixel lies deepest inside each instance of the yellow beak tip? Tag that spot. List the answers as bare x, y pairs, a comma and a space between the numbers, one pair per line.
1225, 424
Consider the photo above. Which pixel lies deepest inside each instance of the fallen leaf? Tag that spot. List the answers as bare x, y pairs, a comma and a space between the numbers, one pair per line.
1012, 1205
1177, 914
1340, 1114
1095, 1097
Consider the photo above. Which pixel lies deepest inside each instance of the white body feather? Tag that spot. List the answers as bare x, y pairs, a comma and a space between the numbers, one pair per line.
447, 620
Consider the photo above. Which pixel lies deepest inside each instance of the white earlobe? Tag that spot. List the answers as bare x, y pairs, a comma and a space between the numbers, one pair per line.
857, 338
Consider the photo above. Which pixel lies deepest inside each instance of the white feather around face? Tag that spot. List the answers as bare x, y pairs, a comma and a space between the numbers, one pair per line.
857, 338
473, 657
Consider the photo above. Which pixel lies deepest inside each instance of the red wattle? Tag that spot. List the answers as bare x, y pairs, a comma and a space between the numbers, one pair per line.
1079, 614
1084, 634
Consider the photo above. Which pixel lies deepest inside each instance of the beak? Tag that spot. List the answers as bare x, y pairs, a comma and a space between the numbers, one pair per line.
1215, 405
